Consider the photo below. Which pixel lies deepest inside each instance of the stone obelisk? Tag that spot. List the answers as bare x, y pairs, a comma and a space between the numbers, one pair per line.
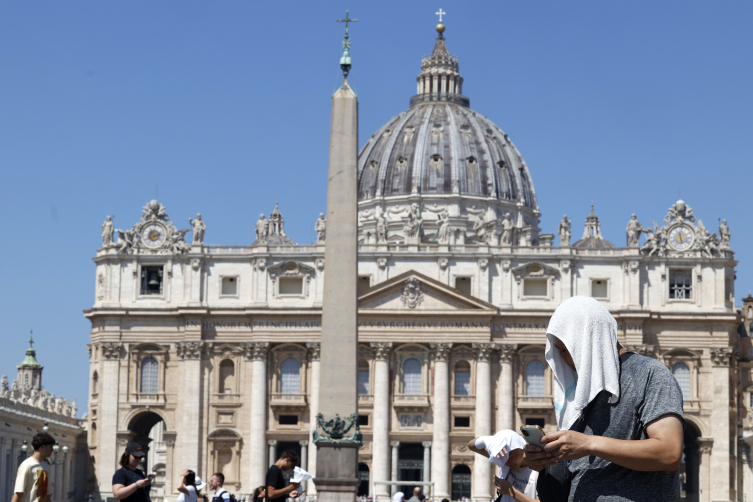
337, 438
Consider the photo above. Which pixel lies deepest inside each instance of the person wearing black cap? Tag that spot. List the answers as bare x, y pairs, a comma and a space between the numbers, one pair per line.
129, 483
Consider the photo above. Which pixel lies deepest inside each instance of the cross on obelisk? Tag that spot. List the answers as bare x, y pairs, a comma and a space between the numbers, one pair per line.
346, 21
440, 14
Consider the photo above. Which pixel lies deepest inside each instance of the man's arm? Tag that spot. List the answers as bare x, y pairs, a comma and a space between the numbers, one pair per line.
504, 487
121, 491
16, 496
273, 492
662, 451
480, 451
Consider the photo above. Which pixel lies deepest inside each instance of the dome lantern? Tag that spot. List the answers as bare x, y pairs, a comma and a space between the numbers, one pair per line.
440, 79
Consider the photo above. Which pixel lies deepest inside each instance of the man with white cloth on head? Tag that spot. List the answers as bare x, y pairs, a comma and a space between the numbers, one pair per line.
619, 415
516, 481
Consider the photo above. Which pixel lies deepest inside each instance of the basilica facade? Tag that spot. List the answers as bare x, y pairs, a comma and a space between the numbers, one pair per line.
212, 351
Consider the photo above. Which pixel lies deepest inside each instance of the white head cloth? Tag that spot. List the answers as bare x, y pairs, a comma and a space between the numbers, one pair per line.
589, 332
504, 441
398, 497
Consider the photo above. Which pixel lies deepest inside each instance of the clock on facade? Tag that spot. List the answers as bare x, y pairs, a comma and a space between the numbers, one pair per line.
153, 235
680, 237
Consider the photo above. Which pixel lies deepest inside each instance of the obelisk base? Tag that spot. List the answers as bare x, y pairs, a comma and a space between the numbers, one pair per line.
331, 462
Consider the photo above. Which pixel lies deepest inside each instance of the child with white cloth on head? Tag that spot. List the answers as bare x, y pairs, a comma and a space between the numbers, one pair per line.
516, 481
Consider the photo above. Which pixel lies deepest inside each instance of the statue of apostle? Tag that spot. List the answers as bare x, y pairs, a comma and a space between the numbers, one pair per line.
321, 227
507, 229
198, 229
564, 231
634, 231
262, 227
107, 232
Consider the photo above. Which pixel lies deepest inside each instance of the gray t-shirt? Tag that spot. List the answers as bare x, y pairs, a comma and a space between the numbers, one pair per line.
647, 391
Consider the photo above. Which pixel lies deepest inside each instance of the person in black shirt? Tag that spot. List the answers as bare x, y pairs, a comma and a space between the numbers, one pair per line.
276, 486
129, 483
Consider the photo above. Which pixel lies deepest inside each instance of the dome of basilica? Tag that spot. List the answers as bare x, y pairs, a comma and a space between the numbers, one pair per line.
439, 146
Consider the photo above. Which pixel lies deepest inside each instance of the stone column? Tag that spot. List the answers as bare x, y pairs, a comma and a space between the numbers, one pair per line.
314, 359
190, 438
272, 444
304, 460
380, 469
440, 467
3, 443
393, 477
427, 464
110, 354
481, 466
704, 469
505, 389
257, 354
720, 464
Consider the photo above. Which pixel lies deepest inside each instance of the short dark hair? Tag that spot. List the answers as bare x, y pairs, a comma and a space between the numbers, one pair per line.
42, 439
191, 478
293, 456
220, 476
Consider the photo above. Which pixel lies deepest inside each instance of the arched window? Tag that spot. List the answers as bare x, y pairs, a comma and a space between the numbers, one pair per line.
363, 377
535, 378
412, 376
95, 383
682, 375
149, 376
461, 482
363, 476
462, 379
227, 376
291, 376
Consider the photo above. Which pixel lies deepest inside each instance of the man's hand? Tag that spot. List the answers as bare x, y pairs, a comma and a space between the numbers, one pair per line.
503, 487
538, 459
293, 494
567, 445
294, 484
144, 482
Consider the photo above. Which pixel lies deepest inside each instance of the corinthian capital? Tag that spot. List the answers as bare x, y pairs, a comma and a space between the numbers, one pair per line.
483, 351
441, 351
720, 356
506, 352
111, 350
190, 350
381, 350
315, 349
256, 351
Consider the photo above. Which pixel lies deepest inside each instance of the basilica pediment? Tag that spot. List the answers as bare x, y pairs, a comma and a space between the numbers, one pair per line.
413, 291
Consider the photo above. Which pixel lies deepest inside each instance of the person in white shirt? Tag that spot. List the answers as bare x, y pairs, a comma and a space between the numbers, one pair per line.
189, 486
516, 481
31, 481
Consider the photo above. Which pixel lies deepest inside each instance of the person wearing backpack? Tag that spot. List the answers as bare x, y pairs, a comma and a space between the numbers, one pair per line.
277, 489
220, 494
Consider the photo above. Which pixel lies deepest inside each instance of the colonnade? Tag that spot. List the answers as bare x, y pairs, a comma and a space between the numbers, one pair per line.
385, 453
440, 84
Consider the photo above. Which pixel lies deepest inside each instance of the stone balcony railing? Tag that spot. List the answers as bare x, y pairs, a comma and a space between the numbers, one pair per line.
365, 400
287, 401
225, 399
411, 401
45, 415
691, 405
535, 402
144, 398
463, 401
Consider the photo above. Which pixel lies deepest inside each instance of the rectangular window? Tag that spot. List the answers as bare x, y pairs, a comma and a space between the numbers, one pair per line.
680, 285
229, 286
462, 383
750, 394
535, 287
363, 381
151, 280
291, 286
288, 419
600, 289
536, 421
463, 284
363, 420
462, 421
364, 282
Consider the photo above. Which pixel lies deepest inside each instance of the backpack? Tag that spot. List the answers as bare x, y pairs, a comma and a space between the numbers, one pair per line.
218, 498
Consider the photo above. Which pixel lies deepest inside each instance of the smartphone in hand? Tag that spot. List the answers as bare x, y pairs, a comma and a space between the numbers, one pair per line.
532, 434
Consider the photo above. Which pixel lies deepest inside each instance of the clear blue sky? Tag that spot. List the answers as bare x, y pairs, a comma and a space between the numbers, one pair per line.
221, 107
